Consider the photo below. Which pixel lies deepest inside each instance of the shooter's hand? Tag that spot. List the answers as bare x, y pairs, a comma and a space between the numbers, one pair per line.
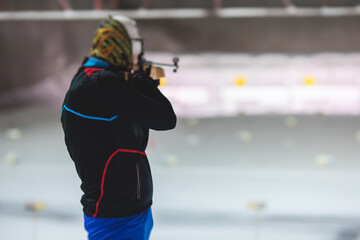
155, 72
142, 83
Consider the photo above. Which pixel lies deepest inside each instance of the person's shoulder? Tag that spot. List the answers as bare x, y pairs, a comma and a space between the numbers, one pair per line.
109, 76
108, 79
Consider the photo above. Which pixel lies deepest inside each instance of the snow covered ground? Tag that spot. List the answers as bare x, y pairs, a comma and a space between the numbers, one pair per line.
245, 177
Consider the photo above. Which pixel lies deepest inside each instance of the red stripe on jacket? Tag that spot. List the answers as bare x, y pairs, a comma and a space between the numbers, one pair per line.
91, 71
104, 173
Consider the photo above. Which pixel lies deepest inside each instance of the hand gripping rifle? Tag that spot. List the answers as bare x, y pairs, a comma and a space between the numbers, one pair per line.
152, 69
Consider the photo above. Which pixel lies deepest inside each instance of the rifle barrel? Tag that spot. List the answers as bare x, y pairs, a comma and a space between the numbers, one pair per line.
158, 64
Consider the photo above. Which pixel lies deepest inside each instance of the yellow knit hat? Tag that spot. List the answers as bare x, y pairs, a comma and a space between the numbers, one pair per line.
112, 44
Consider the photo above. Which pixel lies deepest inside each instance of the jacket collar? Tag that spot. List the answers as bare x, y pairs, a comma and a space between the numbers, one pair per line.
99, 63
95, 62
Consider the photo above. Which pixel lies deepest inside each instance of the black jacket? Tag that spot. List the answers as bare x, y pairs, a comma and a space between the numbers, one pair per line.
106, 121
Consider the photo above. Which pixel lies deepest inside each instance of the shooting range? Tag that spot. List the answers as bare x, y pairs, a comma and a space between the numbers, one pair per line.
267, 96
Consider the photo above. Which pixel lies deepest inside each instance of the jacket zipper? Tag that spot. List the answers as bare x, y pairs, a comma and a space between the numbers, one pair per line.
138, 195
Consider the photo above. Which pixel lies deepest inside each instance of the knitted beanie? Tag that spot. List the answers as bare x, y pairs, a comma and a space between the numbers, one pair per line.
112, 43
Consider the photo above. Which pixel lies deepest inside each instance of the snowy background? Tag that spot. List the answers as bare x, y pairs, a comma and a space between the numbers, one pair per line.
268, 102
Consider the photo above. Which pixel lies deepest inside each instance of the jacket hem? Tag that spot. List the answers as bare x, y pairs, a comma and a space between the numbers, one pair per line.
118, 214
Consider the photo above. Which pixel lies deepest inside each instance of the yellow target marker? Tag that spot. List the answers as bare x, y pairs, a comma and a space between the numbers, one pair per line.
240, 81
244, 136
256, 206
324, 160
35, 208
171, 161
309, 80
162, 81
13, 134
11, 158
192, 122
291, 121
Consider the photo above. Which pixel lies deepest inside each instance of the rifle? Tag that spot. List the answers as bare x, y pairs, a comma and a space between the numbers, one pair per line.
152, 69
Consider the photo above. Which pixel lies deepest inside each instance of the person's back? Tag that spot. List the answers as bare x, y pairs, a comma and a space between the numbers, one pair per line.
106, 120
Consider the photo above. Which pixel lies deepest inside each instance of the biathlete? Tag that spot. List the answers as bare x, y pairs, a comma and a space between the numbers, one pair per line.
106, 117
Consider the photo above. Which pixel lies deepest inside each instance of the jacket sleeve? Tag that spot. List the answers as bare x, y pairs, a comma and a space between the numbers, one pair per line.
149, 107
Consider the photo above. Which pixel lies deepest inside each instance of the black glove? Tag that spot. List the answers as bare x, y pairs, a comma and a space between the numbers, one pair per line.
143, 83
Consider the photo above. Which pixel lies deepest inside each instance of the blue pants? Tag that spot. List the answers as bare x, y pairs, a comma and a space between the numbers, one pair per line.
137, 227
